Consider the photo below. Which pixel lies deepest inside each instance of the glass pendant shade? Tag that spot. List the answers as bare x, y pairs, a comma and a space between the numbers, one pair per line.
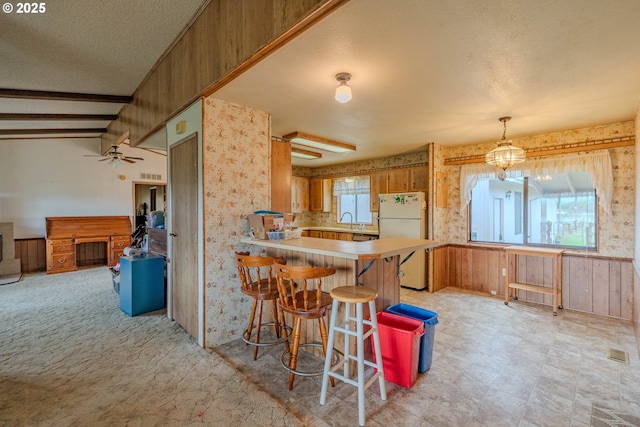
505, 155
343, 93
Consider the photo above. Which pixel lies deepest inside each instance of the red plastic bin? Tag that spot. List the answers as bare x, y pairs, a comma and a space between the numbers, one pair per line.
400, 347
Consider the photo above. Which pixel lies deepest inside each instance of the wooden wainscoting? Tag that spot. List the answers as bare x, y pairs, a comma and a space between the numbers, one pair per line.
33, 257
590, 283
477, 268
440, 268
598, 285
32, 254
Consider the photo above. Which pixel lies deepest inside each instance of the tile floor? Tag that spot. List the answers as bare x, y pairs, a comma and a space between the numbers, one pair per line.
493, 365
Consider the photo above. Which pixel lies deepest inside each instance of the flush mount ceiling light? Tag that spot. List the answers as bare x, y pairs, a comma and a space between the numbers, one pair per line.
505, 155
304, 154
343, 92
319, 142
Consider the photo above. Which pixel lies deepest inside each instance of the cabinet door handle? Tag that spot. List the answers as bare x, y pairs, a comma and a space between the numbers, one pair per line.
62, 260
120, 244
173, 235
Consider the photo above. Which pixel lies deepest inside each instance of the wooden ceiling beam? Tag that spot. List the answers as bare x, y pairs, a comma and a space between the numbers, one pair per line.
50, 131
63, 96
20, 116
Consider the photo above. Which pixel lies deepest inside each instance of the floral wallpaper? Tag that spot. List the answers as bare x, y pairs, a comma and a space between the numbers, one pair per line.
236, 182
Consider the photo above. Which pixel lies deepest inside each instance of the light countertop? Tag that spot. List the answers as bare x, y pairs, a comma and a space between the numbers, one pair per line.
370, 249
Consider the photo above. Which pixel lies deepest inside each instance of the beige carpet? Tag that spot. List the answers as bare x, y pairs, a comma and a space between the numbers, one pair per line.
70, 357
10, 278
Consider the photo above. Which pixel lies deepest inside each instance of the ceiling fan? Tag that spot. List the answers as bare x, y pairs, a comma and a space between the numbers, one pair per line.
115, 156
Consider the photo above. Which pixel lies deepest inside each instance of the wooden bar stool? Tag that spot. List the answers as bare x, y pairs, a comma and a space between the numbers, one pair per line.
308, 302
258, 282
358, 295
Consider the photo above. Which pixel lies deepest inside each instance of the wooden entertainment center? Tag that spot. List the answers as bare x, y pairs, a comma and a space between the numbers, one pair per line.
64, 233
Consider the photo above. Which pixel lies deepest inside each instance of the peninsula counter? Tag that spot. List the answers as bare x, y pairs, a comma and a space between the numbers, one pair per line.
373, 263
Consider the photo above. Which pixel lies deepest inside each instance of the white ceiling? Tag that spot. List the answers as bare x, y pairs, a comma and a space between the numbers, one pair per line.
423, 71
445, 71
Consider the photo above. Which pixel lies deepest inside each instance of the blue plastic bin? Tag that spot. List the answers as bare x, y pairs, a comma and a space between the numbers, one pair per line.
430, 320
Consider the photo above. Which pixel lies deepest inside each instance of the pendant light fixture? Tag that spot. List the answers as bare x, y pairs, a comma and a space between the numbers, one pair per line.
505, 155
343, 91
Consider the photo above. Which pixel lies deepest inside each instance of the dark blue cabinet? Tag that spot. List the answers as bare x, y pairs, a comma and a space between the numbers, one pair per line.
141, 284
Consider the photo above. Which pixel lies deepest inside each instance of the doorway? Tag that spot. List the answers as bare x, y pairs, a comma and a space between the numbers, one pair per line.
148, 197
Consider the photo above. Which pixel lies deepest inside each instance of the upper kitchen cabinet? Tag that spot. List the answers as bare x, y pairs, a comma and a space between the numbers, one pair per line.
418, 181
280, 176
378, 186
320, 195
299, 194
398, 181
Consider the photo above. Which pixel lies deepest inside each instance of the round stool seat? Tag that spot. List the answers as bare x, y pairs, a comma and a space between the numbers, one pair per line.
354, 294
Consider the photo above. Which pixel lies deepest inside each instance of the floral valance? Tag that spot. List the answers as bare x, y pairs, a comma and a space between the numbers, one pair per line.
352, 185
597, 164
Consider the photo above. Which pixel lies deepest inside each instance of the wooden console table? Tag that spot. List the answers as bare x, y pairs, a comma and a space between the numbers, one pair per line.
512, 284
64, 233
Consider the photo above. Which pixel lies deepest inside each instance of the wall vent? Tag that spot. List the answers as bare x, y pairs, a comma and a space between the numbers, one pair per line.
151, 176
618, 355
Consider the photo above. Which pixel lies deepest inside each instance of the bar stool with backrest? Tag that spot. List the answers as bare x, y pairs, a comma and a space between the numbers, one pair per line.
308, 302
358, 295
258, 282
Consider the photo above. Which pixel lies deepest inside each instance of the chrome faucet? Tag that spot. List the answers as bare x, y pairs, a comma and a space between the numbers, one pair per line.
351, 216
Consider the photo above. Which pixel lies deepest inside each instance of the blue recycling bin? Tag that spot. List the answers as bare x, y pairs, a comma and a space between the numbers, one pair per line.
430, 320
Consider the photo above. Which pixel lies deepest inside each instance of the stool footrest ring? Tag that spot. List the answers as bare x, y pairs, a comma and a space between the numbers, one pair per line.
280, 340
285, 364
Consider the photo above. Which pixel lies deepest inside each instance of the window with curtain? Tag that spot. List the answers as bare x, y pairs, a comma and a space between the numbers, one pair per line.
542, 202
353, 200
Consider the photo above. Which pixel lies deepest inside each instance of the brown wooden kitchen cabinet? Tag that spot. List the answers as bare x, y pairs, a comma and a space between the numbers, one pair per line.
329, 235
299, 194
418, 178
377, 186
315, 233
320, 195
281, 181
344, 236
398, 181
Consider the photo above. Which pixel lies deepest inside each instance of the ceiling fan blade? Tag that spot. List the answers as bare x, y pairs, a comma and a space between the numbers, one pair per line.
102, 160
134, 158
126, 159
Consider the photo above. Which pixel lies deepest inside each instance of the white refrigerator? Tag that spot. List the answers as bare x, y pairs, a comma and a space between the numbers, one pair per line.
404, 215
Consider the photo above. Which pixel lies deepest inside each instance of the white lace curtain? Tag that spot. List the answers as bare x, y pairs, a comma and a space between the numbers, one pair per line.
353, 185
597, 164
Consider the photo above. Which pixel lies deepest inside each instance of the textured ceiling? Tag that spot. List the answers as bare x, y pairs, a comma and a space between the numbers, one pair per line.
423, 71
445, 71
88, 46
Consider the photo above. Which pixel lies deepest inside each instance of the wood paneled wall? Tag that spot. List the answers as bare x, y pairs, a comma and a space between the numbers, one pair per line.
590, 283
33, 257
601, 286
32, 254
219, 44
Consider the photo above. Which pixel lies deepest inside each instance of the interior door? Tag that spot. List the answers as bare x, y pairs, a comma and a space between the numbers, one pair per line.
184, 227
